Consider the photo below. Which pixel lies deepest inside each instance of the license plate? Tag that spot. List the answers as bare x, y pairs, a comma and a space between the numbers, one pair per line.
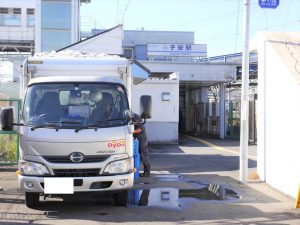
58, 185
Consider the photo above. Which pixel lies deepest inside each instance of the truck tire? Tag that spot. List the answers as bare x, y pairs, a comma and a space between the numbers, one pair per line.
121, 198
32, 199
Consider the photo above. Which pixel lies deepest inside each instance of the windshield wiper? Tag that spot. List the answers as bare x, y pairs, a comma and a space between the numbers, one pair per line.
54, 124
70, 122
97, 124
48, 125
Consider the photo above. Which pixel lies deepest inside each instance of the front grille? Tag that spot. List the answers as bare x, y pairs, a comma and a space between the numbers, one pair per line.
76, 172
66, 159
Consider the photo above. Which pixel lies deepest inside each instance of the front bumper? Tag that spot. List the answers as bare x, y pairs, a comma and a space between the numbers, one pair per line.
87, 182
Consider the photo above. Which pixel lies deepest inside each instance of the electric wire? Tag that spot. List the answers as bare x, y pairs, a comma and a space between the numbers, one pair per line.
206, 19
125, 10
266, 20
237, 25
251, 31
118, 13
288, 12
127, 6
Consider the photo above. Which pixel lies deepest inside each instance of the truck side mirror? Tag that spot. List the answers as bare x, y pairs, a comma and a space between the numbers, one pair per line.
146, 106
7, 119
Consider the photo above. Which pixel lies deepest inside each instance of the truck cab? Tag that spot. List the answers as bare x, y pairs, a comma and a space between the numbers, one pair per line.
75, 128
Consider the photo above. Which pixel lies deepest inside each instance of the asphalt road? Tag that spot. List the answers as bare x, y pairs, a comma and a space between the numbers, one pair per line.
177, 192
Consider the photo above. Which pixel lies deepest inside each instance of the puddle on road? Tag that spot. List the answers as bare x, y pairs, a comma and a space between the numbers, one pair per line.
142, 183
174, 198
101, 213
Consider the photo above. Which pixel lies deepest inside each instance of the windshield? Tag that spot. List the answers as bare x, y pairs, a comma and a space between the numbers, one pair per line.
75, 105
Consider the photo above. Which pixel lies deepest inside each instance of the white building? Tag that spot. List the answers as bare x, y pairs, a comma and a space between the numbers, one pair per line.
278, 110
163, 126
17, 23
201, 108
39, 25
28, 26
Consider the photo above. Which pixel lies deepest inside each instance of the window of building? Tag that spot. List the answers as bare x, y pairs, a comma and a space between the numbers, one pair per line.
172, 58
140, 52
10, 16
128, 53
56, 18
17, 11
30, 18
50, 39
4, 10
56, 15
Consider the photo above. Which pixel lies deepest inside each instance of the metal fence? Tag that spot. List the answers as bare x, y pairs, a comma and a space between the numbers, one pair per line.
233, 120
9, 140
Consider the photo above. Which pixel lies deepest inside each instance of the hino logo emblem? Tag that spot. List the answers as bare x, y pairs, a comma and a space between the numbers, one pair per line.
76, 157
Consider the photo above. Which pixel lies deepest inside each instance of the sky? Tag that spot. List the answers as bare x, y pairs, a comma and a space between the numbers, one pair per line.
217, 23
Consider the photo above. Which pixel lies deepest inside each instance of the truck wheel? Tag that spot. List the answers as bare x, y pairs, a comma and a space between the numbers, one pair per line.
32, 199
121, 198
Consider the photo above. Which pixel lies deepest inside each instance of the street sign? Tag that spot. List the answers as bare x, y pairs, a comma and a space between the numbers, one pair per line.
192, 50
272, 4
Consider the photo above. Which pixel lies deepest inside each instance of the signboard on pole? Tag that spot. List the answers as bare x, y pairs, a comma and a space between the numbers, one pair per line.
272, 4
198, 50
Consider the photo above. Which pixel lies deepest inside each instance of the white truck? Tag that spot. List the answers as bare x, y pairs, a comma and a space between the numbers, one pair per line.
76, 125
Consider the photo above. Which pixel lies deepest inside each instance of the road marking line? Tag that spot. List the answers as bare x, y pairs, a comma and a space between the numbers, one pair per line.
218, 147
181, 153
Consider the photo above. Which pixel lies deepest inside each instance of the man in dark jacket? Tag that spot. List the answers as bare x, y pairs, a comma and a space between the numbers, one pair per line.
140, 134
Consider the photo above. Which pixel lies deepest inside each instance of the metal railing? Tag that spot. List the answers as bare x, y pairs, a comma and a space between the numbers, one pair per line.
9, 140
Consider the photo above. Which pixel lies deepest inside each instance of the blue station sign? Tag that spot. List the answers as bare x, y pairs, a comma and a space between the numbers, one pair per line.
272, 4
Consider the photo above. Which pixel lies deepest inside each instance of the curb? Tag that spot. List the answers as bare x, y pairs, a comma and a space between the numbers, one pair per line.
8, 168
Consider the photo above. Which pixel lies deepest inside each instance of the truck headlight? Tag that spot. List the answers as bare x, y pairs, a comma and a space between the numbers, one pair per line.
119, 166
33, 168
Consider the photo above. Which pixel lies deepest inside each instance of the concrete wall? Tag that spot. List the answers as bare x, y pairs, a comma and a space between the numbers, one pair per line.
6, 71
278, 118
108, 43
10, 89
163, 126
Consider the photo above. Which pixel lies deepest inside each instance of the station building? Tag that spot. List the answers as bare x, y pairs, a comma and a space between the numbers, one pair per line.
197, 105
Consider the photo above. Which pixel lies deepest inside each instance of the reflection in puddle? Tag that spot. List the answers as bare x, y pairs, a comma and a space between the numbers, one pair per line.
101, 213
142, 183
175, 198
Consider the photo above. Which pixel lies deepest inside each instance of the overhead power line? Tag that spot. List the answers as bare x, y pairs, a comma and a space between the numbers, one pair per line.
288, 12
237, 24
254, 30
266, 19
125, 10
206, 19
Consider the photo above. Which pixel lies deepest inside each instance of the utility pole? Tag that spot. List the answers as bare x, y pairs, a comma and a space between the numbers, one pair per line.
244, 134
